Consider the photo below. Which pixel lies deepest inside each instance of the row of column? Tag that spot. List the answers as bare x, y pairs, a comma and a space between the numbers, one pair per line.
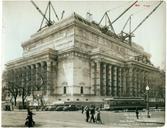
113, 80
36, 77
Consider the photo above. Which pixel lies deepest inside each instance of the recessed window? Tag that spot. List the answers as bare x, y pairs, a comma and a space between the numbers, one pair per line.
81, 90
68, 99
77, 99
65, 90
86, 99
59, 99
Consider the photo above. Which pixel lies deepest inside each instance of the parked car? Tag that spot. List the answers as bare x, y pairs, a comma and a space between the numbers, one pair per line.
59, 108
50, 108
70, 108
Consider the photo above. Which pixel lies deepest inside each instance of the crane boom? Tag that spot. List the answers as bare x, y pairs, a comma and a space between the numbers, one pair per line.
123, 12
146, 17
40, 11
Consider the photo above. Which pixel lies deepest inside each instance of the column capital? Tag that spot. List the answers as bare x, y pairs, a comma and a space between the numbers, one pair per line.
43, 63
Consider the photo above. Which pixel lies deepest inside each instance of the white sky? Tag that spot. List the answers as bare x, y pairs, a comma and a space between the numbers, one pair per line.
21, 19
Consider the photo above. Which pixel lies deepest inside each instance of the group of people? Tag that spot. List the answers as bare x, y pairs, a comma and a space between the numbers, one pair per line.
92, 114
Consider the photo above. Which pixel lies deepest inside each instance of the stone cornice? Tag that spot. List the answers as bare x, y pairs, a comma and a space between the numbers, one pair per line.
73, 52
108, 58
23, 61
72, 20
107, 37
64, 24
144, 66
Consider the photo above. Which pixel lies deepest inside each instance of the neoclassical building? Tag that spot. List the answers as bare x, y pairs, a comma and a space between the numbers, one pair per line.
74, 60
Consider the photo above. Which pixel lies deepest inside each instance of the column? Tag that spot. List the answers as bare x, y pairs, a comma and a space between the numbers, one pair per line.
24, 76
123, 81
54, 75
103, 81
98, 78
109, 81
142, 83
49, 79
14, 77
33, 76
114, 81
29, 80
119, 82
44, 77
144, 80
130, 86
135, 82
36, 75
93, 77
138, 83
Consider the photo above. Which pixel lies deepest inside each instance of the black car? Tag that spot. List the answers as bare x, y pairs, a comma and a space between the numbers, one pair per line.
59, 108
70, 108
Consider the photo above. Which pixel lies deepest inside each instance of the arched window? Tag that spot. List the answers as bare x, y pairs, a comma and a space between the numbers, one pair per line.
81, 90
65, 90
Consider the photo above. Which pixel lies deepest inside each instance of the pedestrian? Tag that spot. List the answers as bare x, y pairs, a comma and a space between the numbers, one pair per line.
137, 113
98, 116
29, 120
92, 112
87, 113
82, 108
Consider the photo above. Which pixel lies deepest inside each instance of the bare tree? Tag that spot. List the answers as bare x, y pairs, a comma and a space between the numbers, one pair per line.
13, 89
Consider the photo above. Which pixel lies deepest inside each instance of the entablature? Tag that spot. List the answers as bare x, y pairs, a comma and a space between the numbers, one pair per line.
46, 55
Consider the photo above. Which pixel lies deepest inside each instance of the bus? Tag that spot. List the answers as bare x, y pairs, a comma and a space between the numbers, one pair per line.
124, 103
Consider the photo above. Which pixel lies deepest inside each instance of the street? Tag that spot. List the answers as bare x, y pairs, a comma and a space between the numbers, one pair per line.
77, 119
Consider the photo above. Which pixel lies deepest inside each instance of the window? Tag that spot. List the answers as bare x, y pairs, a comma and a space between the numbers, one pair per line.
59, 99
81, 90
77, 99
64, 90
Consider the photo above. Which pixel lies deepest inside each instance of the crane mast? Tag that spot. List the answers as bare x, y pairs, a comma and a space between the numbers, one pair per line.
130, 34
147, 17
123, 12
109, 21
49, 21
40, 12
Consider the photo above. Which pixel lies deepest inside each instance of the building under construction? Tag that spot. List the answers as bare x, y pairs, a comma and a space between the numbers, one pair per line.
79, 60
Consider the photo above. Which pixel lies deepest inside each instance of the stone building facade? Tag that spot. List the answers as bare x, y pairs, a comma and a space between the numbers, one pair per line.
73, 60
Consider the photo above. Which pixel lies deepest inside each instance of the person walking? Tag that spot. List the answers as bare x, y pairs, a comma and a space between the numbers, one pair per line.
82, 108
137, 113
87, 113
92, 112
98, 116
29, 120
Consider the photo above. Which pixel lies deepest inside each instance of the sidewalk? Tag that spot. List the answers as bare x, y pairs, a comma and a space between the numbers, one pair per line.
153, 119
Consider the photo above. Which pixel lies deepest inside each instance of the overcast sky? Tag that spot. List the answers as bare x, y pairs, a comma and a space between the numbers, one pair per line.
21, 20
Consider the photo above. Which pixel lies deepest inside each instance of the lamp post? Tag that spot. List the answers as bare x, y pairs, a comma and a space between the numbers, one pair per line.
147, 89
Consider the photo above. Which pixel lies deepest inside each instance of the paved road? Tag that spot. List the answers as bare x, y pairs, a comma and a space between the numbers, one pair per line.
76, 119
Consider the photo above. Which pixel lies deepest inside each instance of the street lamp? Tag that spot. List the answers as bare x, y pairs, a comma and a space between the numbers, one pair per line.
147, 89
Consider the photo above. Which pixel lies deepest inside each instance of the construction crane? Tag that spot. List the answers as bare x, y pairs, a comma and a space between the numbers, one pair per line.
129, 35
105, 28
123, 12
44, 15
49, 22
